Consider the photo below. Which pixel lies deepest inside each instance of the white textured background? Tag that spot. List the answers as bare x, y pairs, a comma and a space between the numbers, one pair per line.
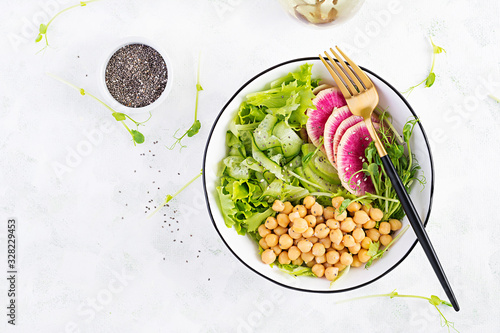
89, 259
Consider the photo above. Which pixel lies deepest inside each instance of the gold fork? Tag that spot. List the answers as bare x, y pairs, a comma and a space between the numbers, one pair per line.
362, 98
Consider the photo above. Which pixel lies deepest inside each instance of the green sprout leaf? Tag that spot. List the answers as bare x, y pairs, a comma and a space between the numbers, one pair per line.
195, 127
137, 136
38, 38
430, 80
308, 157
42, 29
119, 116
433, 300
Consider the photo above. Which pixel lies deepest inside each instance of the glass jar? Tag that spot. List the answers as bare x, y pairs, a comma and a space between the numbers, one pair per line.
322, 12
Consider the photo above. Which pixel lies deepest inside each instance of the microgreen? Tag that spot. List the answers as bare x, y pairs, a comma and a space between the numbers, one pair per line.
42, 30
171, 196
195, 128
376, 253
433, 300
431, 77
496, 99
406, 166
308, 157
137, 137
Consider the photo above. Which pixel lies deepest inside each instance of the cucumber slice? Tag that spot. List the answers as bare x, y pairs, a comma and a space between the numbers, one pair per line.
264, 139
321, 181
307, 148
265, 162
290, 141
251, 163
235, 169
274, 189
324, 165
300, 172
317, 167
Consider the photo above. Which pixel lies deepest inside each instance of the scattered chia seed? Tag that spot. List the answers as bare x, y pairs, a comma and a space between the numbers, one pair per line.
136, 75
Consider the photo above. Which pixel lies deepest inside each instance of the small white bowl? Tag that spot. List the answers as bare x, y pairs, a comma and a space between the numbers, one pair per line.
102, 76
246, 250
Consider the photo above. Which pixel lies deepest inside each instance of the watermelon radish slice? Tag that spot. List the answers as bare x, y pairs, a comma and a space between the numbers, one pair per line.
325, 102
343, 127
350, 159
333, 122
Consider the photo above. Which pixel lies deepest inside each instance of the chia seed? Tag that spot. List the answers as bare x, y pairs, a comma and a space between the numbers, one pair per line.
136, 75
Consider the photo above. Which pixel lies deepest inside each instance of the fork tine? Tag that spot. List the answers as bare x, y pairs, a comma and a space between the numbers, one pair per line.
337, 79
359, 72
349, 71
341, 73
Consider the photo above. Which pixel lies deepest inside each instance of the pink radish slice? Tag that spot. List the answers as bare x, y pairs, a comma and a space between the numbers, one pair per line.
333, 122
343, 127
326, 101
350, 159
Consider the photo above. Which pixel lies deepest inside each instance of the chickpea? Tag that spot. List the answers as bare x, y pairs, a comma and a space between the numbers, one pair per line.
361, 217
297, 261
354, 207
318, 249
366, 208
283, 220
384, 228
278, 206
276, 249
344, 250
340, 216
311, 220
326, 242
366, 242
311, 263
346, 259
307, 256
279, 230
293, 234
309, 201
332, 224
320, 259
337, 201
268, 257
293, 216
332, 257
338, 247
320, 219
327, 265
308, 233
331, 273
374, 234
348, 240
283, 258
363, 255
263, 231
347, 225
358, 234
318, 270
263, 244
317, 209
313, 239
293, 253
301, 210
271, 223
272, 240
328, 213
296, 241
340, 266
355, 261
376, 214
355, 248
370, 224
321, 231
336, 236
395, 224
285, 242
288, 208
299, 225
305, 246
385, 239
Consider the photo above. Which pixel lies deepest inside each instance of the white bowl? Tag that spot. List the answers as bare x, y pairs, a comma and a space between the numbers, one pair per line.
102, 76
246, 250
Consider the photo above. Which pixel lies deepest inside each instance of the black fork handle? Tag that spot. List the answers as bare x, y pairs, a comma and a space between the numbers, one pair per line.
419, 229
